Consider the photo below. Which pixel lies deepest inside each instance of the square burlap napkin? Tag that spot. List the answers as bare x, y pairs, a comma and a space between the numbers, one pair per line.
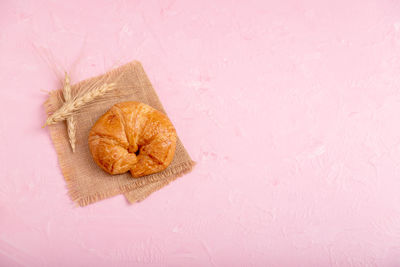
87, 182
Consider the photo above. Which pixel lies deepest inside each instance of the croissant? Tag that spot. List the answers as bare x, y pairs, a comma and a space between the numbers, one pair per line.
135, 137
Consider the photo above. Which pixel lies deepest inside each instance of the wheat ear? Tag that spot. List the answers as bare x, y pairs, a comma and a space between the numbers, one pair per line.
70, 120
71, 106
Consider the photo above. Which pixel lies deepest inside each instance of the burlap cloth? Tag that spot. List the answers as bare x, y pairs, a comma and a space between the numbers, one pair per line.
87, 182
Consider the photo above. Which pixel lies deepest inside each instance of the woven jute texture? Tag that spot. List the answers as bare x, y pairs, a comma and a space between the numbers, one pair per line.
87, 182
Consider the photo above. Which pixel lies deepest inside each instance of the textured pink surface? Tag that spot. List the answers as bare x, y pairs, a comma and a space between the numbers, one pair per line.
290, 108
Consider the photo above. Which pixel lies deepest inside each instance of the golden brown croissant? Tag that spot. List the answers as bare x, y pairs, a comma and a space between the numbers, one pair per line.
134, 137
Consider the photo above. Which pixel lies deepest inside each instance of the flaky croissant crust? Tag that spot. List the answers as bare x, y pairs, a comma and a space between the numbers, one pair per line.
134, 137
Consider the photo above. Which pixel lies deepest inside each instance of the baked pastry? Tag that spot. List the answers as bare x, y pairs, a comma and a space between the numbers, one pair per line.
135, 137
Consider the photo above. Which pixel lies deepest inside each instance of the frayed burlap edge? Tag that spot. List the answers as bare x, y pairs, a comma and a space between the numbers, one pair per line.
132, 196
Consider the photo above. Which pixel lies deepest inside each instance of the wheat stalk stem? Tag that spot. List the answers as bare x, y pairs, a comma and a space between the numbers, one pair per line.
70, 120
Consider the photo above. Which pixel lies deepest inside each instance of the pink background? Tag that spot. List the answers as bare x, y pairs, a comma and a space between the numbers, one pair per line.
290, 108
